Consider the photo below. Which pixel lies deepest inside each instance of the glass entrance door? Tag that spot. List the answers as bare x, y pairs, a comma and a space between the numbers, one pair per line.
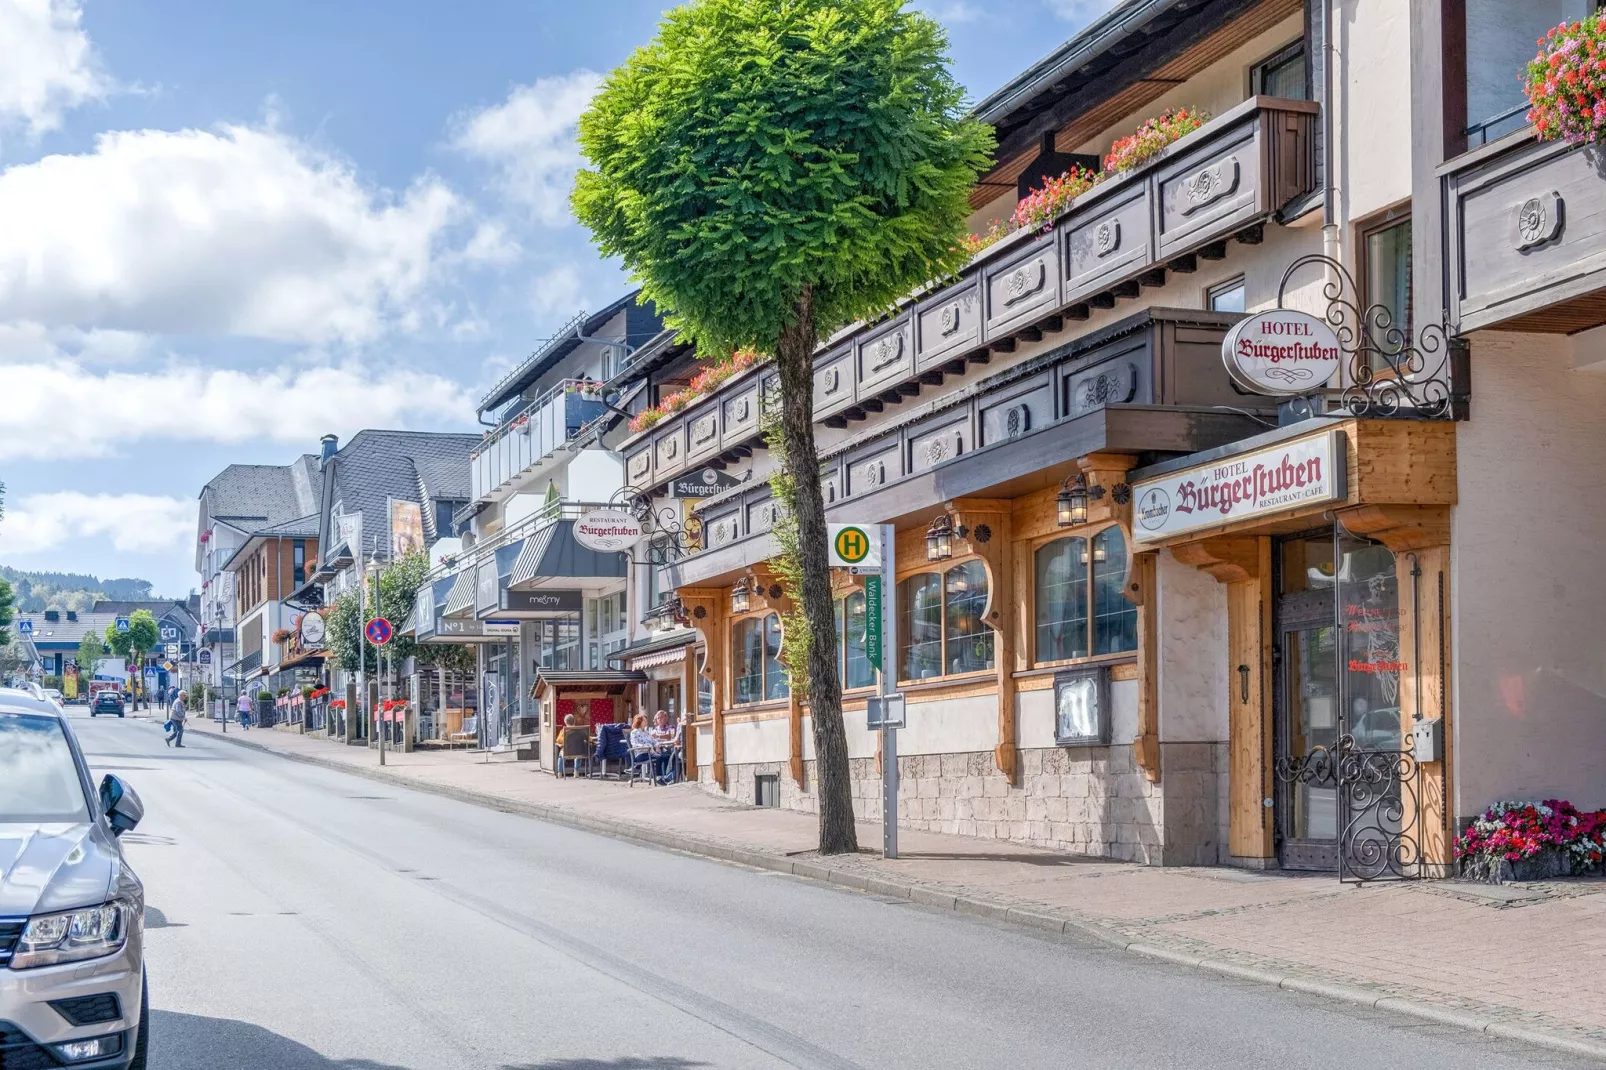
1307, 702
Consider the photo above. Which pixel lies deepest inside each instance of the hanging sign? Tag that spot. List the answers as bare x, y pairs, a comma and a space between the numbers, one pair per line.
854, 546
608, 530
1281, 352
500, 627
312, 628
872, 621
702, 484
1290, 475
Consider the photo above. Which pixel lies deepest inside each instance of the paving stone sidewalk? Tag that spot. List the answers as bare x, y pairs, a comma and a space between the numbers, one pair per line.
1525, 961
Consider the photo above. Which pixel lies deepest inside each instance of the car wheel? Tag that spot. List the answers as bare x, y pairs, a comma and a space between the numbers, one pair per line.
142, 1042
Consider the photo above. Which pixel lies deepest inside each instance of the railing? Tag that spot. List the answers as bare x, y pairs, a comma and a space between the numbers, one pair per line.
549, 514
1496, 126
533, 433
540, 350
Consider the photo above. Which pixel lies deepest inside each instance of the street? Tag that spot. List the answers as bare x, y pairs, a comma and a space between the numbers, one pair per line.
303, 918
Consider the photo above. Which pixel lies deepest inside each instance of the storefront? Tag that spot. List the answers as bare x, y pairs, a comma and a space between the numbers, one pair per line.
1332, 538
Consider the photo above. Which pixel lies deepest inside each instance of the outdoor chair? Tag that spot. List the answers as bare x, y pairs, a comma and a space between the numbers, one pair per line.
611, 747
641, 764
576, 749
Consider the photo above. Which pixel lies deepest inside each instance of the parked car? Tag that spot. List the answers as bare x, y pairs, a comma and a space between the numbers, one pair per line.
106, 702
72, 912
54, 695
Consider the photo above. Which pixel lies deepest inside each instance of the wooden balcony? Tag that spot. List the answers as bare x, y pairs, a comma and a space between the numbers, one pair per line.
1219, 185
1525, 236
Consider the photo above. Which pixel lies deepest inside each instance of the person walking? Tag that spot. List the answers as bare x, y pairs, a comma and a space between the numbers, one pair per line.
245, 710
175, 717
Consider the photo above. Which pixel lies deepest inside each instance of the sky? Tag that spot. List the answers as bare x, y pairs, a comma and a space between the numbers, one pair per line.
227, 229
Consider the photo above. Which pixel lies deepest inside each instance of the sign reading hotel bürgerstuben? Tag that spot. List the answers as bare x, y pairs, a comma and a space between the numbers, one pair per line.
1306, 471
1281, 352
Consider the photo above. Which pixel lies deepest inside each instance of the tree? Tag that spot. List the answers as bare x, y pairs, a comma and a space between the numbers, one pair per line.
91, 648
8, 606
771, 170
140, 639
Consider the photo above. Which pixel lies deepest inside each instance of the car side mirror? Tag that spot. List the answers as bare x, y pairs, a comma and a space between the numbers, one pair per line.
121, 805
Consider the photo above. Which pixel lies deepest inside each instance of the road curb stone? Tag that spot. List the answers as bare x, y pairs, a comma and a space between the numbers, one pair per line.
997, 910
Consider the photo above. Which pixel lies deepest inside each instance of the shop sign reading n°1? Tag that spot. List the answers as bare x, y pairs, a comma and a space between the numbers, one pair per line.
854, 546
1290, 475
1281, 352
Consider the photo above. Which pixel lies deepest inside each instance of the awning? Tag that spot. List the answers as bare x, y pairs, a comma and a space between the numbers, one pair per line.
461, 599
658, 651
554, 553
582, 677
674, 656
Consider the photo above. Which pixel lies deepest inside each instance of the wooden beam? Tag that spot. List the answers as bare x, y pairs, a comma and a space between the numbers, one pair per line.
1003, 345
1153, 277
1186, 264
1031, 334
1423, 582
1103, 300
1052, 324
1401, 528
1077, 312
707, 610
1216, 250
1229, 558
1251, 235
1128, 289
989, 534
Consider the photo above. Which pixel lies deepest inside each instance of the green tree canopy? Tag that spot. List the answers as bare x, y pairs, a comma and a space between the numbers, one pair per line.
91, 648
8, 607
140, 639
760, 150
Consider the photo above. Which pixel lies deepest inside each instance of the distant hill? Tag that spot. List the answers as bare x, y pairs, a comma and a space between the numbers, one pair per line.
70, 590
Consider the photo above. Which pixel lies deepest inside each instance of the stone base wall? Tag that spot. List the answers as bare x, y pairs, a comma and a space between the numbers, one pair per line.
1091, 801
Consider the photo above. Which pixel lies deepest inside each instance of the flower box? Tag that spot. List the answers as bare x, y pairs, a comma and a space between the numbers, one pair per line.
1527, 841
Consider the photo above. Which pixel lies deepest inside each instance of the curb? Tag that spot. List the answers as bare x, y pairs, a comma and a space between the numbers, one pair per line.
994, 910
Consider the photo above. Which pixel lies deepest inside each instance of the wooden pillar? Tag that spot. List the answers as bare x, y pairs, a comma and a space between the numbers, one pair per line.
989, 531
708, 610
1419, 537
688, 711
1142, 591
1243, 563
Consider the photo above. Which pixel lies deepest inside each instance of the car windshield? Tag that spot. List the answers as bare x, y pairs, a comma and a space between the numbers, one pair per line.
38, 777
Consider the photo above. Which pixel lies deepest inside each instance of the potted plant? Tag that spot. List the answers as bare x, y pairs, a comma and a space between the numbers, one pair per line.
282, 635
1524, 841
1151, 138
1566, 83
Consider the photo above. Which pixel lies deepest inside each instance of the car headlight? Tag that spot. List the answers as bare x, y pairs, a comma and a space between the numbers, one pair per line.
91, 933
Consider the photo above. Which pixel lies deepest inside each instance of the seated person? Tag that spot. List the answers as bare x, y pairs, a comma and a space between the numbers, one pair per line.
644, 747
666, 741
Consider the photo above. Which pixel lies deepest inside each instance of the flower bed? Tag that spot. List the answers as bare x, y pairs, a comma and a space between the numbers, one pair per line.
1040, 207
1529, 841
703, 384
1566, 83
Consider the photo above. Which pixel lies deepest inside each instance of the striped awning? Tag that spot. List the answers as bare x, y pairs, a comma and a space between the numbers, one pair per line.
461, 601
554, 553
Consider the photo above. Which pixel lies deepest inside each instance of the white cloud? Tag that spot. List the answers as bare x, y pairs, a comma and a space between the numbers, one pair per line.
49, 65
49, 408
23, 341
557, 292
132, 523
240, 231
950, 11
530, 140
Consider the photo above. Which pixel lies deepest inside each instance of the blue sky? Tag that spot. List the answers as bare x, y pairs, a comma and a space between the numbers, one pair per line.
228, 228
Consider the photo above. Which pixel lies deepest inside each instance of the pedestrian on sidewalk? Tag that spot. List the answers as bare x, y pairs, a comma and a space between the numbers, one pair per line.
245, 710
175, 717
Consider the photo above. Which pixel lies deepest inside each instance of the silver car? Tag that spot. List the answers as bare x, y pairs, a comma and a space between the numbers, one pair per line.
72, 913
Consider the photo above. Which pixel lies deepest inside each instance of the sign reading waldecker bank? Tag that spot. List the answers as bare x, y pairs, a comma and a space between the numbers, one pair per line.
1290, 475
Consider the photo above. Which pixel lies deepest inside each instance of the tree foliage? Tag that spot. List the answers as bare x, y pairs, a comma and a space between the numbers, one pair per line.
91, 648
758, 149
8, 608
399, 582
141, 638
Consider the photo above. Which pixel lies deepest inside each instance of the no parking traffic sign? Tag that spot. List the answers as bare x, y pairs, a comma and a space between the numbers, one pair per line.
378, 631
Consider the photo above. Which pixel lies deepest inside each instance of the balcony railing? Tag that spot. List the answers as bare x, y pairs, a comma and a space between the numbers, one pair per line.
532, 434
1219, 186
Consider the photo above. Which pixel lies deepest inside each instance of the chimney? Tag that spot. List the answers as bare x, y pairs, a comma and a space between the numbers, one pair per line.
328, 444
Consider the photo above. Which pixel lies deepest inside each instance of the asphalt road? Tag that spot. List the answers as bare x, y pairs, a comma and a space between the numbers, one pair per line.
304, 919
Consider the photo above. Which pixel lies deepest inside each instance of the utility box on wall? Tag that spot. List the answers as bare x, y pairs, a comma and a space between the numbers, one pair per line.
1427, 740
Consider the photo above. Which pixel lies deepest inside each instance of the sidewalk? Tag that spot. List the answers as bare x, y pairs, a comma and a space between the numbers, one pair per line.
1522, 961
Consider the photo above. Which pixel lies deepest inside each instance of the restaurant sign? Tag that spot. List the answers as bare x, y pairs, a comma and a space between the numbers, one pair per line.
1290, 475
1281, 352
608, 529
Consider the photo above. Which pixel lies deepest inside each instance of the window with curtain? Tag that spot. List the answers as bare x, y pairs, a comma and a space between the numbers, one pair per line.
1387, 278
1062, 599
1081, 606
968, 640
856, 670
747, 660
1115, 619
775, 682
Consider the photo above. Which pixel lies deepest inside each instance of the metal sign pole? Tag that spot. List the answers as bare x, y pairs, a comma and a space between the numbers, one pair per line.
889, 686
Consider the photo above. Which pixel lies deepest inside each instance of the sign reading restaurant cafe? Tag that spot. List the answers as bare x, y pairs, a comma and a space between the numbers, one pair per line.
1290, 475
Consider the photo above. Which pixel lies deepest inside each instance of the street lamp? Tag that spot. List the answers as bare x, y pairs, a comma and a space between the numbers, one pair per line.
1071, 504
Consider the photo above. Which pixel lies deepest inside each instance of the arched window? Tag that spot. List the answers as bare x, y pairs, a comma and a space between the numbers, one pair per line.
1062, 599
1081, 606
856, 670
920, 627
1115, 619
968, 640
775, 682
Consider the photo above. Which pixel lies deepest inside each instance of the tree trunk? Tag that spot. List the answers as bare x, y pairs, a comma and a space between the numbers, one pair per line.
795, 362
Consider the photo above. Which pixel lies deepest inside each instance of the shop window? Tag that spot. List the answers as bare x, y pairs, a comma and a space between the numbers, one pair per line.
940, 630
856, 670
968, 640
1282, 74
756, 670
1081, 606
920, 627
1227, 296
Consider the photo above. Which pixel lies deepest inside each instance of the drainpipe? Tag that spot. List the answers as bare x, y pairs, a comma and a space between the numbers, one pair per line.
1330, 230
